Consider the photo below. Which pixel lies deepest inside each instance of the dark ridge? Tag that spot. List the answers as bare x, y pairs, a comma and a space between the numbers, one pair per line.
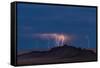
62, 51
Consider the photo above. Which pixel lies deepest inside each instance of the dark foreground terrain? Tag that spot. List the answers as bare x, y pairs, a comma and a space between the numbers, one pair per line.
56, 55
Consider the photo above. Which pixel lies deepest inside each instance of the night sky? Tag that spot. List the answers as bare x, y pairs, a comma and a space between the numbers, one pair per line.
34, 18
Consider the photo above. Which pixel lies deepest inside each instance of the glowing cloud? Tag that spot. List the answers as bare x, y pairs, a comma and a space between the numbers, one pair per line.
59, 39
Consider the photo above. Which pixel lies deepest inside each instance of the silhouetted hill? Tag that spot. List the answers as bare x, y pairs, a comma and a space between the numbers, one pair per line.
63, 53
